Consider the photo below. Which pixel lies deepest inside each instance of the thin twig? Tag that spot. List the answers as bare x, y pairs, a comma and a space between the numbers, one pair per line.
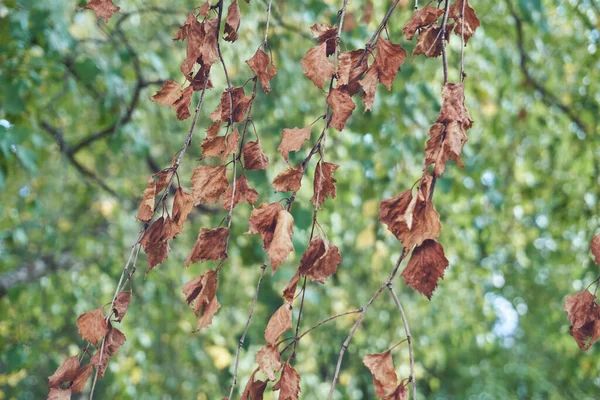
462, 43
220, 7
444, 39
265, 42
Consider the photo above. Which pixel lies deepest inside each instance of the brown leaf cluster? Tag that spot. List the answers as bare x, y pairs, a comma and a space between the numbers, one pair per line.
385, 380
274, 224
254, 389
71, 374
201, 294
156, 183
424, 17
201, 40
430, 40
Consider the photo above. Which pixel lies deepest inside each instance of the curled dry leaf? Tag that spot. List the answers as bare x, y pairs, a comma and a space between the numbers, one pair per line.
92, 326
282, 245
421, 18
289, 180
243, 192
210, 245
232, 22
381, 366
320, 260
388, 59
263, 67
221, 146
325, 34
425, 221
349, 72
324, 183
103, 8
146, 209
279, 323
400, 393
213, 130
59, 394
168, 94
183, 203
83, 374
254, 157
114, 340
453, 105
201, 293
369, 85
430, 41
208, 183
263, 221
65, 373
121, 305
269, 360
182, 104
445, 142
292, 140
254, 389
155, 241
595, 248
471, 22
425, 267
342, 107
579, 307
289, 383
201, 43
240, 103
316, 66
290, 290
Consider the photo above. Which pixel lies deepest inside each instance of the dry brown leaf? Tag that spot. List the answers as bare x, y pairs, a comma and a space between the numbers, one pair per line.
185, 29
369, 85
471, 22
83, 374
316, 66
146, 209
240, 103
400, 393
381, 366
388, 60
453, 105
421, 18
155, 241
213, 130
201, 293
263, 221
349, 71
168, 94
425, 267
445, 142
290, 290
65, 373
324, 183
103, 8
269, 360
232, 22
211, 244
430, 41
183, 203
182, 104
92, 326
209, 312
208, 183
201, 43
320, 260
579, 308
121, 305
595, 248
59, 394
289, 383
114, 340
281, 246
204, 9
263, 67
254, 157
254, 389
279, 323
243, 192
289, 180
342, 107
325, 34
292, 140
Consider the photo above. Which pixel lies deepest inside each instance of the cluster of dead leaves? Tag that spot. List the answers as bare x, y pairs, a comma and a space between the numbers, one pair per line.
583, 311
71, 377
385, 380
424, 22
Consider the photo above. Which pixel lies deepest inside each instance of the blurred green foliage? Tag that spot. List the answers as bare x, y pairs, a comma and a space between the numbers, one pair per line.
517, 219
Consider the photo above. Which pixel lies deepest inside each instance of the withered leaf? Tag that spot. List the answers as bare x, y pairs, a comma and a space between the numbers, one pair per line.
185, 29
204, 9
92, 326
342, 107
213, 130
201, 43
381, 366
388, 60
595, 248
168, 94
269, 360
400, 393
240, 103
289, 383
121, 305
324, 183
201, 293
289, 180
243, 192
325, 33
425, 267
425, 220
114, 340
232, 22
254, 157
281, 246
155, 241
208, 183
263, 67
221, 146
65, 373
59, 394
210, 245
430, 41
103, 8
83, 374
453, 105
579, 308
349, 72
316, 66
588, 334
471, 22
423, 17
445, 142
290, 290
182, 104
263, 220
146, 209
279, 323
183, 203
369, 85
292, 140
254, 389
320, 260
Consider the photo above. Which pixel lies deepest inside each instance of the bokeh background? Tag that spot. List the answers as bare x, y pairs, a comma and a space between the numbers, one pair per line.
517, 219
